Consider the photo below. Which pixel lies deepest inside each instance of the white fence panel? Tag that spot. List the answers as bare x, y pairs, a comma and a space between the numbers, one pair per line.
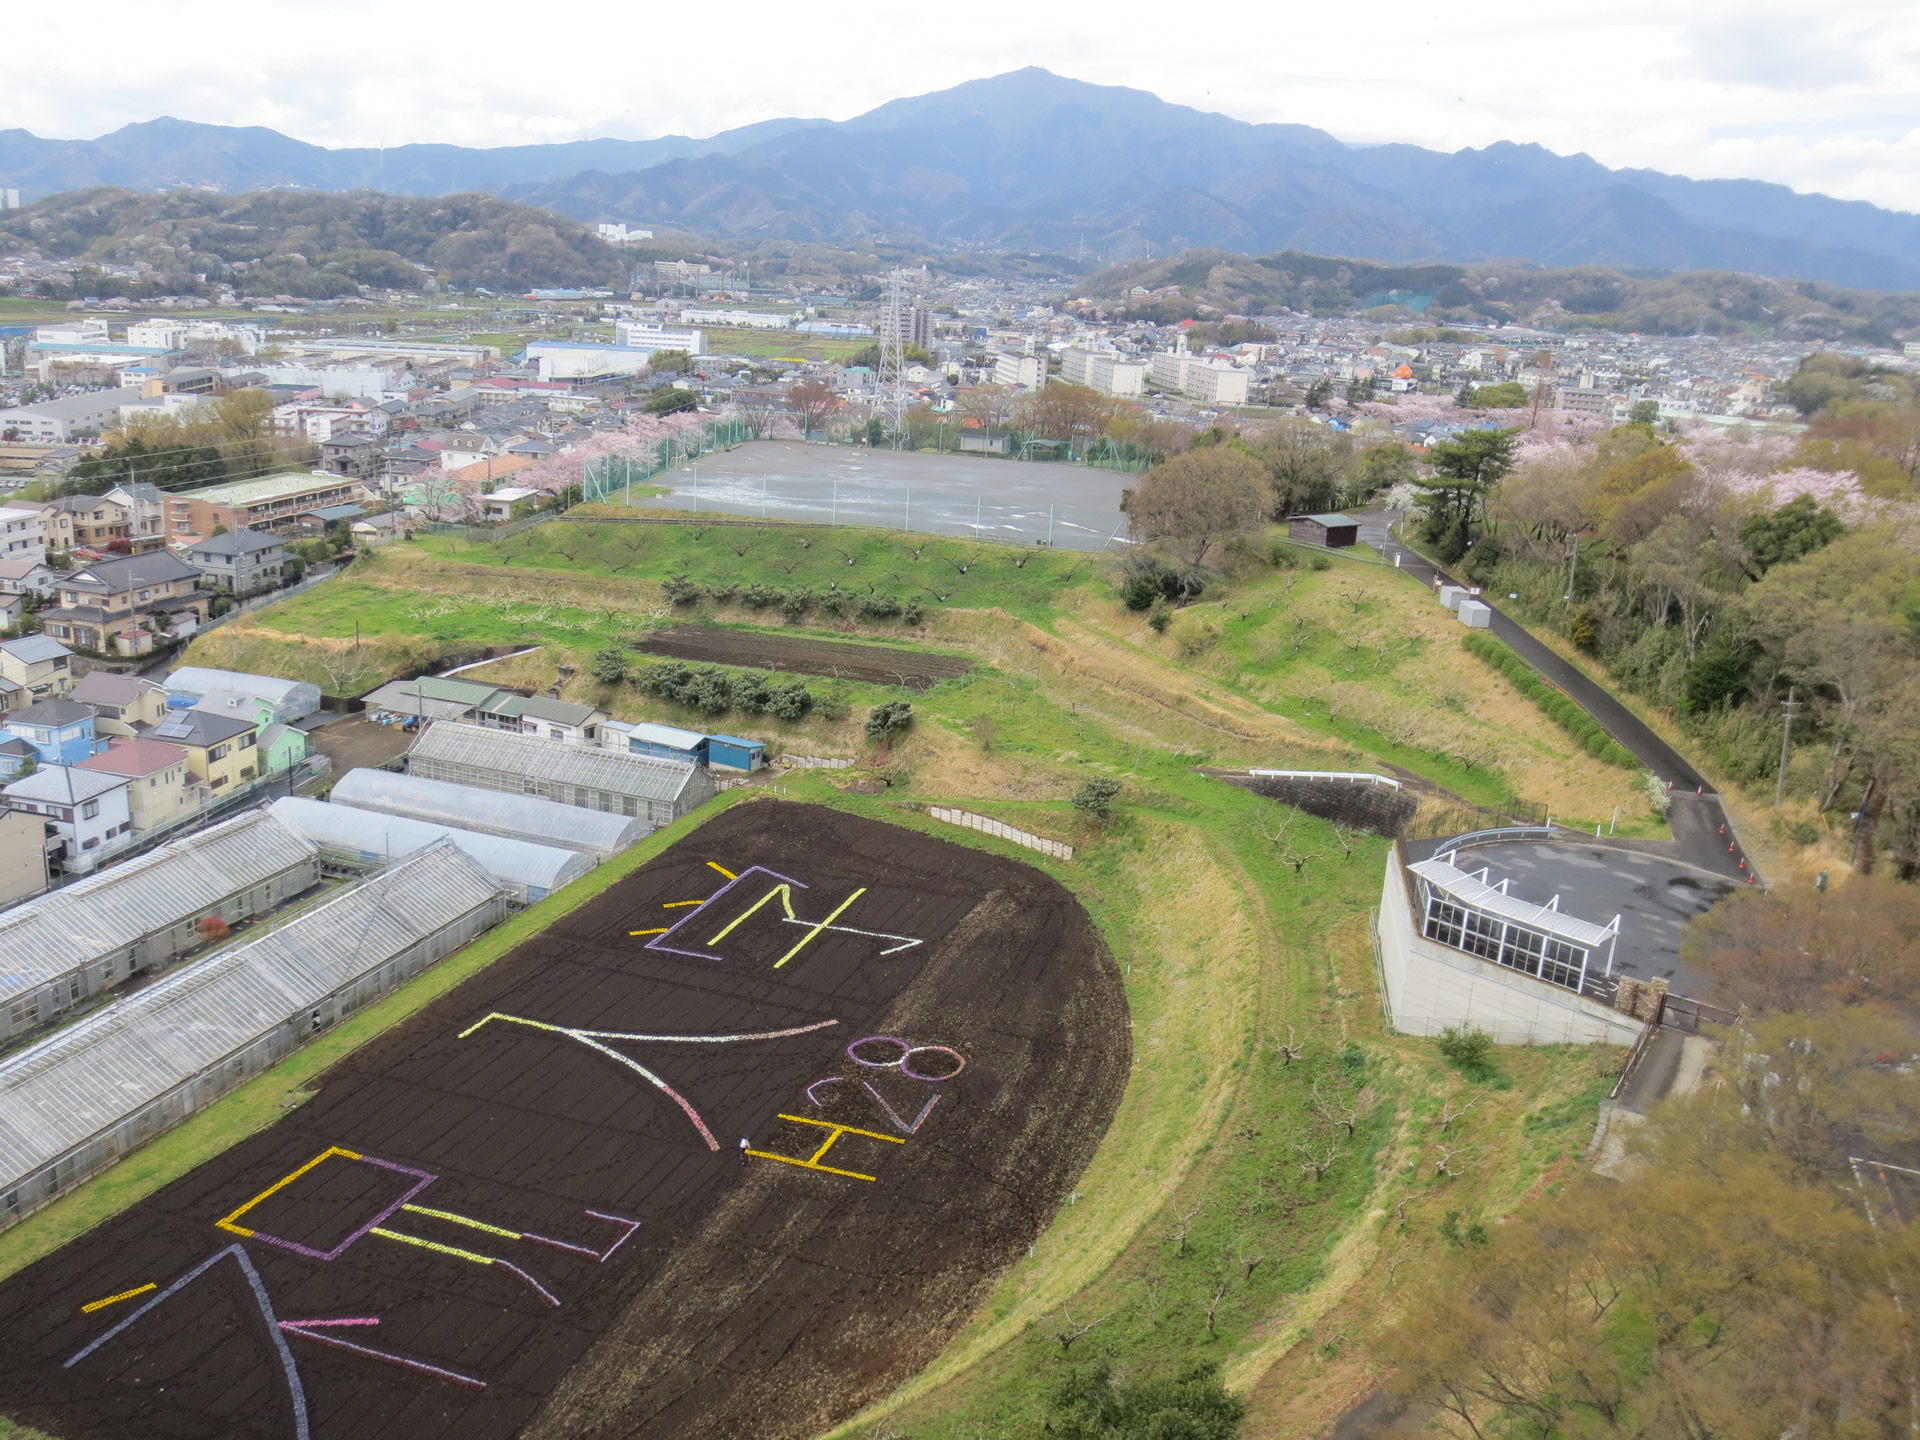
1005, 831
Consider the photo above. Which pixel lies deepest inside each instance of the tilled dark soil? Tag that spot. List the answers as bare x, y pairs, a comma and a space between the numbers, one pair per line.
758, 1299
839, 659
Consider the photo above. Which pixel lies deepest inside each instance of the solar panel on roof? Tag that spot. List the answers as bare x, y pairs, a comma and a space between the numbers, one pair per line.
175, 728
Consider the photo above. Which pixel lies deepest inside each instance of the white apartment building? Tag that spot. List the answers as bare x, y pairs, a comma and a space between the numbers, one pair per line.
1027, 370
319, 423
652, 335
53, 422
1209, 381
619, 234
1104, 370
90, 331
87, 809
23, 533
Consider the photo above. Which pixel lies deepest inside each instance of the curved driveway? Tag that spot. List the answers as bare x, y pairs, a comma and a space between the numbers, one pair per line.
1702, 832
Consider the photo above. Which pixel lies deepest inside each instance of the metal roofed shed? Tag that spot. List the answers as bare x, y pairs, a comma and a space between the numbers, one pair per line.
490, 812
433, 697
144, 913
529, 872
730, 752
656, 790
90, 1093
291, 699
1464, 912
667, 742
1331, 530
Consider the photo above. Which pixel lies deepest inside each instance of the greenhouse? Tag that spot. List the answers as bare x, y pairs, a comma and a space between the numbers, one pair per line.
491, 812
144, 913
655, 790
291, 699
530, 872
87, 1095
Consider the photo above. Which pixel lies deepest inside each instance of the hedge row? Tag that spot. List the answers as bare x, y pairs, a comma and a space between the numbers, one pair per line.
1562, 711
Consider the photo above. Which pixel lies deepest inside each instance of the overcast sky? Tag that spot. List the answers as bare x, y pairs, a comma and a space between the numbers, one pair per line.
1819, 97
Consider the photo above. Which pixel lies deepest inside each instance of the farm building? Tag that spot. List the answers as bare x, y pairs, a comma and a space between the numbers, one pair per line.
730, 752
657, 791
92, 1092
490, 812
142, 915
666, 742
435, 697
529, 872
1333, 531
291, 699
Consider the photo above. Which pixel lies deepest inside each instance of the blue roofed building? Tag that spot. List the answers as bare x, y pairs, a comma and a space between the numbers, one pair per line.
60, 731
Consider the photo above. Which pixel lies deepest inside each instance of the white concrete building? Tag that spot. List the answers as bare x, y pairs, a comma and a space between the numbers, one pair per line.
23, 534
1209, 381
1454, 950
1027, 370
652, 335
736, 319
1104, 370
89, 331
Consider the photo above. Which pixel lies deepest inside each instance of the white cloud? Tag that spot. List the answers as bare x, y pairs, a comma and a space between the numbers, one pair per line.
1711, 88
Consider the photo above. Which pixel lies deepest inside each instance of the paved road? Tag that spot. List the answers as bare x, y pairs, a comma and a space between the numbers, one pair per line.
1700, 829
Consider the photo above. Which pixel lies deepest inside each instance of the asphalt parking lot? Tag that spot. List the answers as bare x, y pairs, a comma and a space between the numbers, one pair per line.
1074, 506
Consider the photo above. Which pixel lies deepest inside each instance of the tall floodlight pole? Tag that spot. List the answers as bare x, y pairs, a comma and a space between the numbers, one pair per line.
893, 383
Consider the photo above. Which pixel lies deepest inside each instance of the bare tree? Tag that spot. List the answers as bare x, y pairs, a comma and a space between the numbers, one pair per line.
1444, 1164
1275, 825
1346, 836
633, 543
811, 402
1067, 1331
1340, 1113
964, 563
1214, 1301
1291, 1051
1450, 1113
1318, 1165
1248, 1262
1299, 632
846, 555
1181, 1229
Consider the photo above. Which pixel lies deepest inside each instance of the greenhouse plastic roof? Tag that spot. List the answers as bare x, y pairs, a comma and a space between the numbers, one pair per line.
497, 812
518, 863
197, 680
97, 1072
644, 776
182, 880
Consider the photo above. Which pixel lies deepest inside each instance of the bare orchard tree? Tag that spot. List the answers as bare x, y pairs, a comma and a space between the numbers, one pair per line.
1338, 1112
1448, 1163
1276, 826
1318, 1162
1291, 1051
1215, 1300
1181, 1229
1066, 1332
1451, 1110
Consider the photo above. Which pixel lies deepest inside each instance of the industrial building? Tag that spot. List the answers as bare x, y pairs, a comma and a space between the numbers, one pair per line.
143, 915
528, 872
648, 788
489, 812
90, 1093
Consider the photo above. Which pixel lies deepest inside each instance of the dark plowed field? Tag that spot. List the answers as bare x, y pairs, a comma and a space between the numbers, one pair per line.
836, 659
525, 1211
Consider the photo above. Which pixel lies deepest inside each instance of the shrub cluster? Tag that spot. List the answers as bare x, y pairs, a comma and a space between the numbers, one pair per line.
1562, 711
713, 691
798, 601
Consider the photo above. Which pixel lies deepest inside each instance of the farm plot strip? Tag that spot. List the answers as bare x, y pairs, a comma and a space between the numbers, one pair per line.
832, 659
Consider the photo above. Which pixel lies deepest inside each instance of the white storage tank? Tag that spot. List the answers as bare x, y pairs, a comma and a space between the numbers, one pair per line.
1475, 616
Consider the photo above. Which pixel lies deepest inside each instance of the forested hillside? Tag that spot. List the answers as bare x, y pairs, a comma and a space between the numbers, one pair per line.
1714, 302
312, 245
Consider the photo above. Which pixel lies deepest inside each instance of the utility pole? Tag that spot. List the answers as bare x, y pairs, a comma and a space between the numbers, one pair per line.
1792, 707
1573, 565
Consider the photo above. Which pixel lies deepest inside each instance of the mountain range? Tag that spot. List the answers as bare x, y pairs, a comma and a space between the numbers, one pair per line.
1032, 160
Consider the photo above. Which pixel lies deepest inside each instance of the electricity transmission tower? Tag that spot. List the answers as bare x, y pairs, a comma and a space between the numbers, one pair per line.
893, 348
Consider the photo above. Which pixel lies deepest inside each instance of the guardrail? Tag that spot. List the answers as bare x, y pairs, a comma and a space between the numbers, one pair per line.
1497, 837
1352, 777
